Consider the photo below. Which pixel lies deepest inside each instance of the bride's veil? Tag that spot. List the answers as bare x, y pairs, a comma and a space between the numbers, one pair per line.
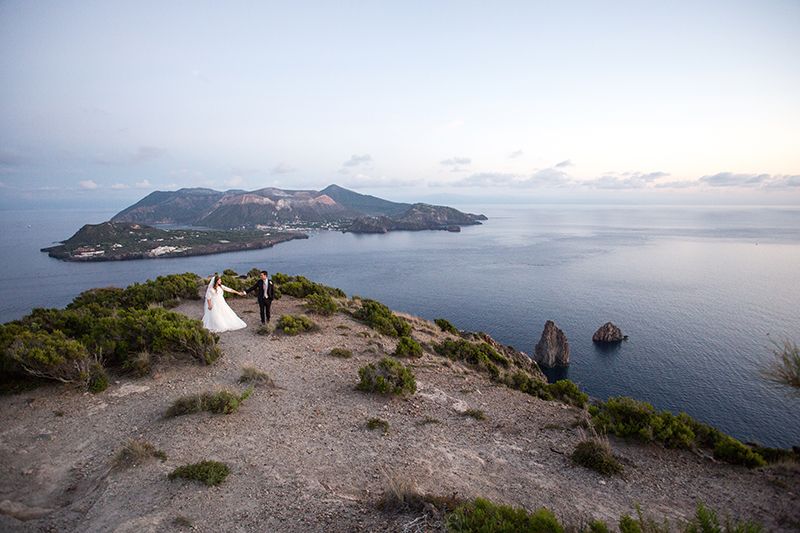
211, 286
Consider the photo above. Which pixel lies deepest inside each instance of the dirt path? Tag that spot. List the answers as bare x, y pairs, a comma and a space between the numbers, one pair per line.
302, 459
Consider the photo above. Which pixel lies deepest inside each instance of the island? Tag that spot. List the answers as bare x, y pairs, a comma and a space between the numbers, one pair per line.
120, 241
213, 222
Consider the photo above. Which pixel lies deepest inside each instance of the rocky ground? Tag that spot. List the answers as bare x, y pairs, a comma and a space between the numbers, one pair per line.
302, 458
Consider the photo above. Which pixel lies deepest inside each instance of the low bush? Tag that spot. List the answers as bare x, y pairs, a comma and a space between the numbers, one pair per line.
446, 326
626, 417
97, 380
378, 423
220, 402
380, 318
482, 515
163, 289
705, 521
255, 377
137, 452
390, 376
341, 352
46, 354
295, 324
595, 453
408, 347
140, 364
208, 472
321, 304
301, 287
475, 353
568, 392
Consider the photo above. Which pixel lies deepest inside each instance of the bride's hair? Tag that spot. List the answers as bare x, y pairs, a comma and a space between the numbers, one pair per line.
217, 279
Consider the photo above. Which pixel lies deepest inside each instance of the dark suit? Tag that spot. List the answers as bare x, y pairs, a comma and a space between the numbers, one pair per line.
265, 293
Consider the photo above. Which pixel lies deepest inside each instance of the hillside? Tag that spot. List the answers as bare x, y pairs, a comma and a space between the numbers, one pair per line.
334, 206
120, 241
303, 459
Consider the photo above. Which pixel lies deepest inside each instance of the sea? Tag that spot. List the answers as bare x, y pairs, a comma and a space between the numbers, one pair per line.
702, 292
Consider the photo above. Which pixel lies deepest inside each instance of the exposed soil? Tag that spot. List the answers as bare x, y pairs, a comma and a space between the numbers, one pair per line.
302, 458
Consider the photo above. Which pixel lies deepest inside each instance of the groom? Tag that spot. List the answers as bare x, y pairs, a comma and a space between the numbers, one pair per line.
265, 291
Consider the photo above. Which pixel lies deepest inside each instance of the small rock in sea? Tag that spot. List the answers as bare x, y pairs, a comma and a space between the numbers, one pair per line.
552, 348
608, 332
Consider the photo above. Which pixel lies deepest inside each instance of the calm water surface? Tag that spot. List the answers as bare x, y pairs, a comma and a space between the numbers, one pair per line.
699, 290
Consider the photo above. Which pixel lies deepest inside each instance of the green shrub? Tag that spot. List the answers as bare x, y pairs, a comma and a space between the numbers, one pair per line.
596, 454
341, 352
321, 304
482, 515
140, 295
408, 347
98, 379
46, 354
626, 417
294, 324
208, 472
479, 354
378, 423
598, 526
255, 376
568, 392
390, 376
380, 318
301, 287
220, 402
705, 521
732, 451
446, 326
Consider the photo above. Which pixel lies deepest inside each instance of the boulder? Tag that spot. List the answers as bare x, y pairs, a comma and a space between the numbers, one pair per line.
552, 348
608, 333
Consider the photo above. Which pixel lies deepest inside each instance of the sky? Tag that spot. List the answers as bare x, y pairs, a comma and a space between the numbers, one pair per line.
631, 102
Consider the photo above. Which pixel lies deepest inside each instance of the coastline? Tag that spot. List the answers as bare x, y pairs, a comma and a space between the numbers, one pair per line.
303, 459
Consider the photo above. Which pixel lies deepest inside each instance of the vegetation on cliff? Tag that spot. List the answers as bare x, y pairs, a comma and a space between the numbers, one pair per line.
105, 328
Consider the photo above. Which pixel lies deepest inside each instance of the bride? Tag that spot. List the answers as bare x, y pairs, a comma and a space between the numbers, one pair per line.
218, 315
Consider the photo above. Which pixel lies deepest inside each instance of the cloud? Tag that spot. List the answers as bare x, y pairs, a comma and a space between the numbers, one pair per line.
120, 186
546, 177
87, 184
488, 179
750, 181
282, 168
456, 161
144, 184
515, 154
565, 163
625, 180
365, 180
730, 179
356, 160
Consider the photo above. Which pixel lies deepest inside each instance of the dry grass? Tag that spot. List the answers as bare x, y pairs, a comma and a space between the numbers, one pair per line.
256, 377
137, 452
785, 366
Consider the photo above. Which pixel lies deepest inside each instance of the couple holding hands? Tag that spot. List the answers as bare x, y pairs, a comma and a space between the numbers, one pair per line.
218, 315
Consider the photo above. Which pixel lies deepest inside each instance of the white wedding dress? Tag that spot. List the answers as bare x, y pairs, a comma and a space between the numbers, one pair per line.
220, 317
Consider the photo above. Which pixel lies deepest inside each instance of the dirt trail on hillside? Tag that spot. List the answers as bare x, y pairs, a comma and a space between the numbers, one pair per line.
302, 459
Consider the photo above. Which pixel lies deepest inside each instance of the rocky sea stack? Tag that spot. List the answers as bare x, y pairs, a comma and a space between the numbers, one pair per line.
608, 333
553, 347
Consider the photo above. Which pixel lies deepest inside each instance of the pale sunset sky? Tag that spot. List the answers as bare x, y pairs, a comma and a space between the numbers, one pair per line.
576, 101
